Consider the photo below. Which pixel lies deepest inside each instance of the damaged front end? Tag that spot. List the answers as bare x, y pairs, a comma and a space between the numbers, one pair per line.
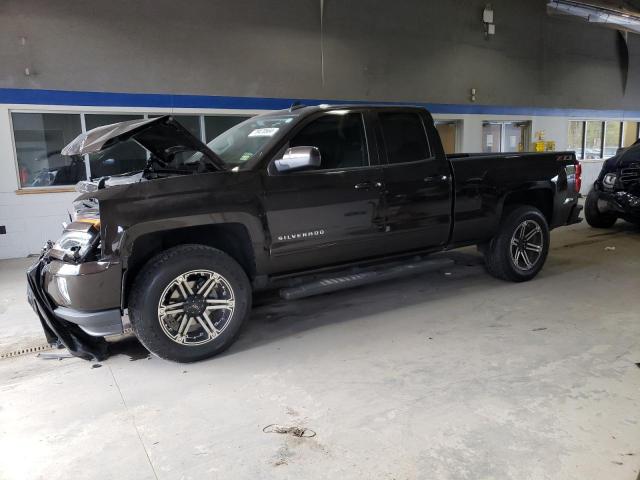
618, 184
75, 287
75, 292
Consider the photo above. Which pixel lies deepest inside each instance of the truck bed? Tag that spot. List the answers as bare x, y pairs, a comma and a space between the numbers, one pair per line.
482, 182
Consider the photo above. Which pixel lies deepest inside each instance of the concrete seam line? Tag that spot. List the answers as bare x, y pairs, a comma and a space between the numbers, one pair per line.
133, 420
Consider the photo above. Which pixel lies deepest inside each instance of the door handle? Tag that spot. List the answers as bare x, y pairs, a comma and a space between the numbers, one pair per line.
437, 179
367, 185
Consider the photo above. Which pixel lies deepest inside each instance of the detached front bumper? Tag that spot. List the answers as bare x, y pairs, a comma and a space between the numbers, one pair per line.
77, 304
620, 202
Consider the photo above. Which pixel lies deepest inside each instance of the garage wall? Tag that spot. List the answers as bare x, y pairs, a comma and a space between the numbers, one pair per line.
405, 50
546, 70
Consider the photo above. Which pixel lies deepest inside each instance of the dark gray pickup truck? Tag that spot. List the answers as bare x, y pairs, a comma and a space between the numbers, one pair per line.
293, 199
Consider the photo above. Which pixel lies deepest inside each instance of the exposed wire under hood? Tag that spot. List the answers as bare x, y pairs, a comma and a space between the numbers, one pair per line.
614, 14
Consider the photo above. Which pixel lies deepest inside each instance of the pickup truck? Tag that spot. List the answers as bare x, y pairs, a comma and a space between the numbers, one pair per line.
281, 199
616, 192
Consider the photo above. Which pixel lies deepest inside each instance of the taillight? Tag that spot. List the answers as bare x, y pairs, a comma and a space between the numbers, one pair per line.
578, 177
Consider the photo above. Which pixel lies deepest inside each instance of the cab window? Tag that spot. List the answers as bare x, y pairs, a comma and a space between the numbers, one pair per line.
340, 137
404, 137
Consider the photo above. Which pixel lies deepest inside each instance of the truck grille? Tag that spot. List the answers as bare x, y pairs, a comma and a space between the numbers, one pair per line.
630, 175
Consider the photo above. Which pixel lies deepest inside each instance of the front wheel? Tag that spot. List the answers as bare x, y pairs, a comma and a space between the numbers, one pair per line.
188, 303
519, 249
594, 216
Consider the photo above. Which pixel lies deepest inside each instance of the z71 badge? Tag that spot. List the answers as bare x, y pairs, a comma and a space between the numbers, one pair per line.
300, 235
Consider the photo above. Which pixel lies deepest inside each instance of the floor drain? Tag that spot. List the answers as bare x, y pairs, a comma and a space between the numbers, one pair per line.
26, 351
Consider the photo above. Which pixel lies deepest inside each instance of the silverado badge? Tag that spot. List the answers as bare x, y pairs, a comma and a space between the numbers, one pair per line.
299, 235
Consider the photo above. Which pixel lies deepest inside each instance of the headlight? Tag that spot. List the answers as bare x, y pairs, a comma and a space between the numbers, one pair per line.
76, 240
75, 244
609, 180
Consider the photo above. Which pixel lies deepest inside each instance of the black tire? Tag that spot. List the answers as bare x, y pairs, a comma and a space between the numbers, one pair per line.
499, 252
153, 280
594, 216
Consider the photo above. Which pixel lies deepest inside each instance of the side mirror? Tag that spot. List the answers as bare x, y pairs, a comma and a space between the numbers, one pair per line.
298, 158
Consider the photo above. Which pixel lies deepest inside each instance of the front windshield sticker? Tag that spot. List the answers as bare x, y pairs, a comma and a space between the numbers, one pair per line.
246, 156
264, 132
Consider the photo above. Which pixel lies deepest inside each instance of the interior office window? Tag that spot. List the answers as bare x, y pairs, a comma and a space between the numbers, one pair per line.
576, 139
122, 157
630, 133
190, 122
39, 138
448, 131
593, 139
340, 139
612, 138
404, 137
491, 137
214, 125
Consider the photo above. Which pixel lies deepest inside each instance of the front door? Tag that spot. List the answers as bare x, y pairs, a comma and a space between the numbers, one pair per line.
417, 194
331, 214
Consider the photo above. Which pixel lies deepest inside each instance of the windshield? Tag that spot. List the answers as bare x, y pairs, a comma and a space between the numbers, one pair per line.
240, 143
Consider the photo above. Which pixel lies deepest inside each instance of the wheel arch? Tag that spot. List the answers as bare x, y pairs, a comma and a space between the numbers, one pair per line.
540, 197
233, 238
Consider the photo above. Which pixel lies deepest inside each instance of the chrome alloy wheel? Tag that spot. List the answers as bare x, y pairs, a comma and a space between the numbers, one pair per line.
196, 307
527, 244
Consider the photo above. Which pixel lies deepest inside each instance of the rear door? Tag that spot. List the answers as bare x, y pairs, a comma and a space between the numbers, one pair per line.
332, 214
417, 194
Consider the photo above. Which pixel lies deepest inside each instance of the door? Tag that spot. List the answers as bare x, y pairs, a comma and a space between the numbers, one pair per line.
505, 137
331, 214
448, 131
417, 195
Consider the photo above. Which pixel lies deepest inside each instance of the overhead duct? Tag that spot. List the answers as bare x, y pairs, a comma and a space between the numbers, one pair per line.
611, 14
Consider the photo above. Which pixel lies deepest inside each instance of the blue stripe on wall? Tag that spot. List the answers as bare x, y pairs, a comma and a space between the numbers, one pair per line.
156, 100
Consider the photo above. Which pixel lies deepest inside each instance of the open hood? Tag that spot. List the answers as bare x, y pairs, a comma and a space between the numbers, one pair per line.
164, 137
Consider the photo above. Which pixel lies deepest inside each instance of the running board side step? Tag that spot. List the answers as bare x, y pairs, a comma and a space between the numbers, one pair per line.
379, 274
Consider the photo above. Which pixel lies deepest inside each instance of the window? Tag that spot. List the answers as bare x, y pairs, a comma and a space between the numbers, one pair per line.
506, 136
122, 157
214, 125
612, 138
240, 143
596, 139
630, 133
404, 137
39, 138
593, 140
190, 122
339, 137
575, 139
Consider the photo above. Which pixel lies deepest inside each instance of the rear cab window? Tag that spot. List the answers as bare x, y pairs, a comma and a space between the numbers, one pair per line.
404, 137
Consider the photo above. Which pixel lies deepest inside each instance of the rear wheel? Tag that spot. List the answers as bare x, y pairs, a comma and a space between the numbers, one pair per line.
518, 251
189, 302
594, 216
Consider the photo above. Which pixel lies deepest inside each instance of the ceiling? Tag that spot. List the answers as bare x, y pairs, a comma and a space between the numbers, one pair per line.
623, 15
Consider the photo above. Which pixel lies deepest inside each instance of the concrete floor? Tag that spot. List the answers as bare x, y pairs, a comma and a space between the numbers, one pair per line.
456, 376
